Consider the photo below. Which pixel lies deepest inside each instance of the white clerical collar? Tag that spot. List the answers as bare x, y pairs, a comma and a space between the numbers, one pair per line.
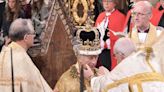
109, 13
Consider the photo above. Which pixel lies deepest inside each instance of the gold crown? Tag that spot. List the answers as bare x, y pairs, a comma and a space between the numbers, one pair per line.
88, 40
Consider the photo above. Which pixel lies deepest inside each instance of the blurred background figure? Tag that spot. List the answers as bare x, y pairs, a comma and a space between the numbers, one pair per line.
12, 12
26, 7
109, 20
2, 9
160, 7
39, 16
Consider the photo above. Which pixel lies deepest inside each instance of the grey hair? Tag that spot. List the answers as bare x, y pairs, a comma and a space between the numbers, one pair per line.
124, 46
147, 6
19, 28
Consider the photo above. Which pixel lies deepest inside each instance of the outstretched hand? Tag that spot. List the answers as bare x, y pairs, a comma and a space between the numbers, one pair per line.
102, 71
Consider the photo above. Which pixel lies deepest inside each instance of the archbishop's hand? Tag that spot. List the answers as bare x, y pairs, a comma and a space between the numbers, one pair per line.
102, 71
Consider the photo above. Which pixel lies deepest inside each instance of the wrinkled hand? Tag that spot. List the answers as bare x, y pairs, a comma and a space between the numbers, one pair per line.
102, 71
88, 73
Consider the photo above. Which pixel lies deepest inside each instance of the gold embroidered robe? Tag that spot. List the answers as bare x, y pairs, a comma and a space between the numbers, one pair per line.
150, 38
27, 78
70, 81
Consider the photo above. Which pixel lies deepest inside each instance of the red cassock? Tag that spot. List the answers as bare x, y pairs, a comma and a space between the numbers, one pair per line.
116, 23
157, 5
154, 20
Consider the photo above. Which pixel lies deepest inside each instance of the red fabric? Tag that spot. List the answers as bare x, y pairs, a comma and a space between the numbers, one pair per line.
126, 20
154, 20
105, 45
116, 22
156, 16
157, 5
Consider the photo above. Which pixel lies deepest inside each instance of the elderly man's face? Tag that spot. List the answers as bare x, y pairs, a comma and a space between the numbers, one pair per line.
141, 16
90, 60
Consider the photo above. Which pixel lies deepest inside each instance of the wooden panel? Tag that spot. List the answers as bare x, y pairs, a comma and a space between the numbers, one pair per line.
60, 55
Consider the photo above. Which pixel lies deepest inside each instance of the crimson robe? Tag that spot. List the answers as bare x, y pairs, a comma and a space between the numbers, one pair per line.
116, 21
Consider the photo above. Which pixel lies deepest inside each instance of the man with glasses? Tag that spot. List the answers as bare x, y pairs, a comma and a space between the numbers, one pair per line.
144, 34
155, 19
18, 72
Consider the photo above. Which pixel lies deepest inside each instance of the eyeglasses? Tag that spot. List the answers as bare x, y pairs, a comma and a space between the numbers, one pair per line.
34, 33
139, 14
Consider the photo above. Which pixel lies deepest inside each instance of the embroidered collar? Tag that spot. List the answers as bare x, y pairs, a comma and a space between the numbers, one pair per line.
146, 31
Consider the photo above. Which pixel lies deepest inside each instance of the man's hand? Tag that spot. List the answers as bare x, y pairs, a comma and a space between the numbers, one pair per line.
88, 73
102, 71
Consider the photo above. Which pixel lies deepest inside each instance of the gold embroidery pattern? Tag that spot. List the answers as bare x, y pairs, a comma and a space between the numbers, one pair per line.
137, 79
17, 81
73, 72
150, 39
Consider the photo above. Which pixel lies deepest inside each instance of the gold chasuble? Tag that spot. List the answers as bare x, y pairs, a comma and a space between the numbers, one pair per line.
70, 81
149, 40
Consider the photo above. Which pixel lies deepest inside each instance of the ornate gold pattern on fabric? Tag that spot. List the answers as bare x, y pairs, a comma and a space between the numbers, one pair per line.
73, 72
71, 77
150, 39
149, 50
137, 79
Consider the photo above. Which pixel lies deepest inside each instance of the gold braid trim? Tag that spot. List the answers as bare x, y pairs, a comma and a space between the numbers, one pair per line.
149, 50
150, 39
137, 79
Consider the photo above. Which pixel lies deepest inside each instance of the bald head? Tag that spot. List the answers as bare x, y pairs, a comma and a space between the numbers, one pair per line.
124, 47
